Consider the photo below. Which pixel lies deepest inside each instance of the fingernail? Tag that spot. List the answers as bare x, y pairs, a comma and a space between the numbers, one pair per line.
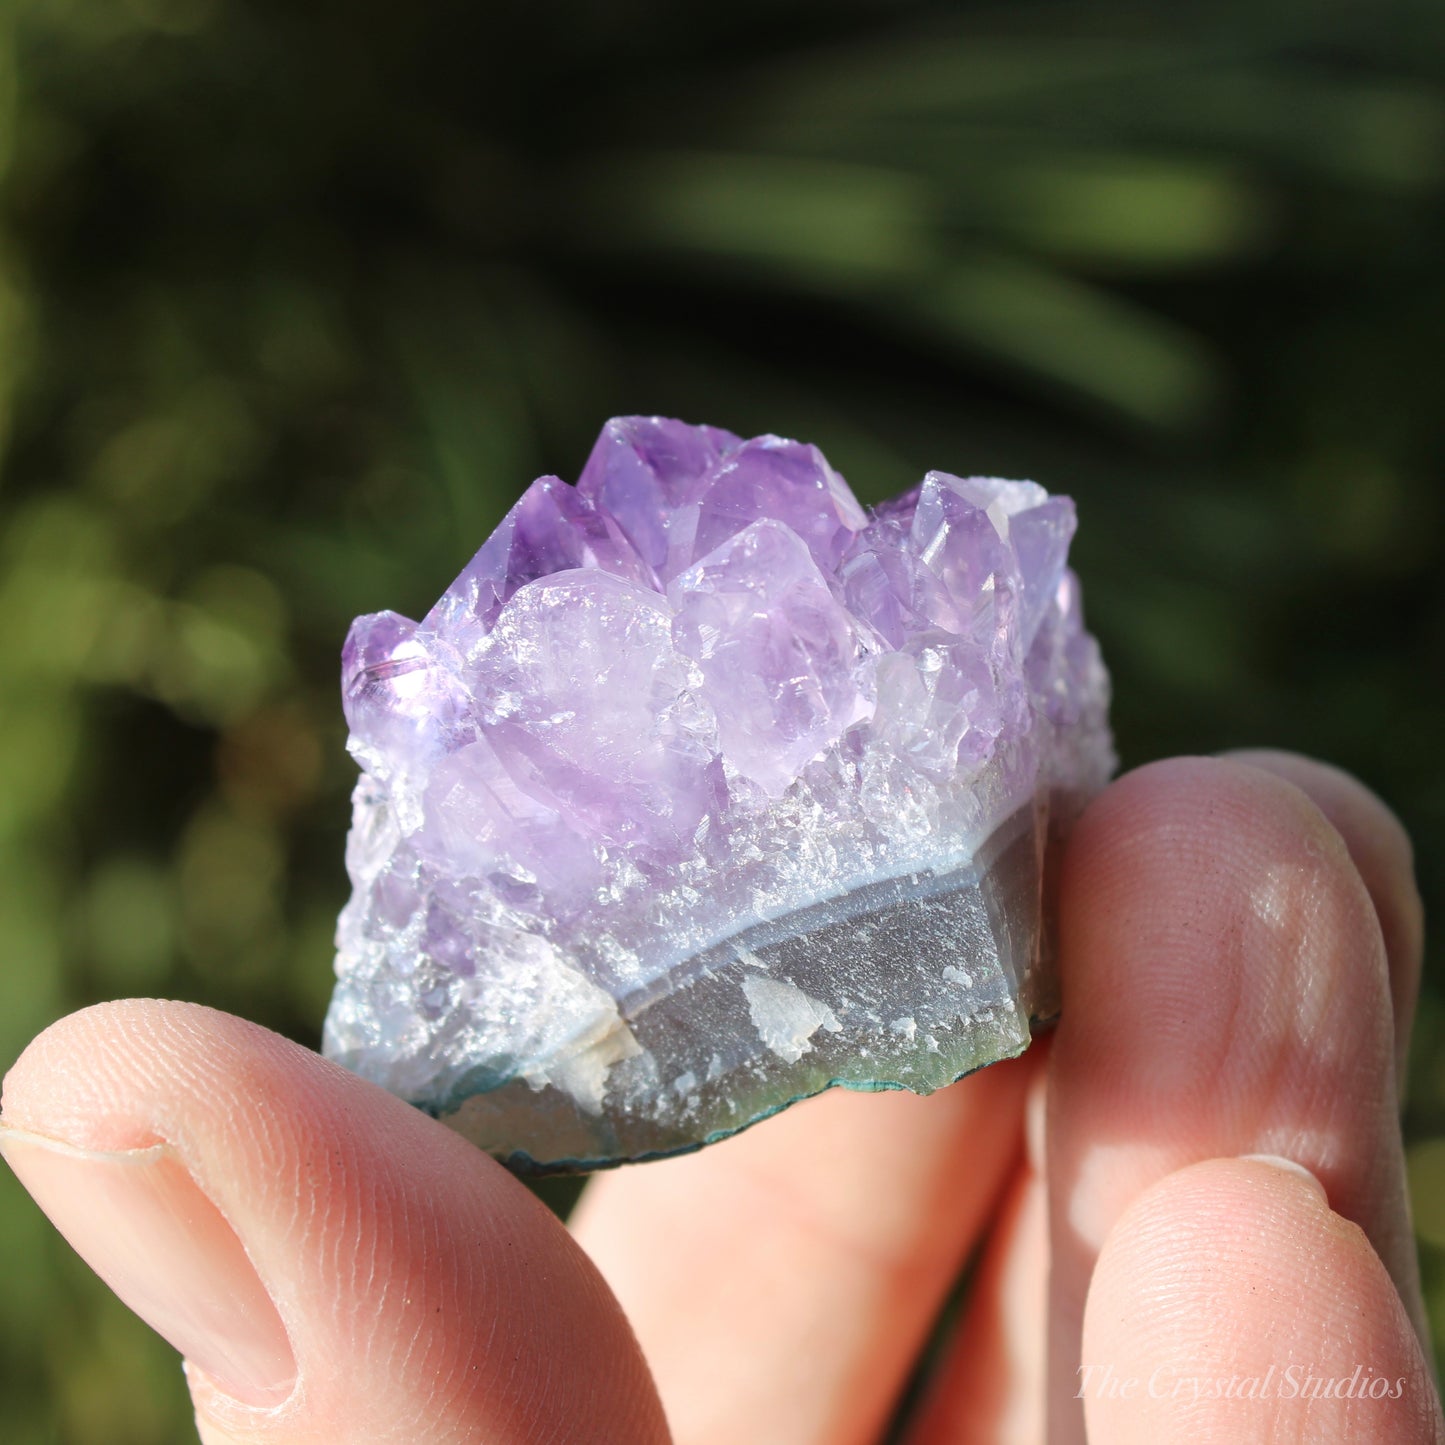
1278, 1161
142, 1223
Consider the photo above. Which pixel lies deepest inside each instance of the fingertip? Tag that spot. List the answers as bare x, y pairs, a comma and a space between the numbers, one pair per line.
1356, 810
1225, 992
1381, 850
425, 1293
1244, 1308
1197, 898
1197, 811
1292, 1168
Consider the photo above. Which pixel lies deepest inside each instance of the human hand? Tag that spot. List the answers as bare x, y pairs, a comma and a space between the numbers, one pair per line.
1240, 948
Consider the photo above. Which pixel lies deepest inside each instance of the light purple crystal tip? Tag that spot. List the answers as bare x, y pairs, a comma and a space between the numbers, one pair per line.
702, 789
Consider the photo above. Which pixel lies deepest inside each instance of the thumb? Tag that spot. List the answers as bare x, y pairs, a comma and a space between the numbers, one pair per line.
1231, 1303
335, 1266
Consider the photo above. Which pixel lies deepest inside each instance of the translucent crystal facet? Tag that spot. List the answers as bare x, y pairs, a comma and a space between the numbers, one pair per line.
703, 789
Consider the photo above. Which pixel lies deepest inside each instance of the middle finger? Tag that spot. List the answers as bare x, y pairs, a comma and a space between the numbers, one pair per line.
783, 1282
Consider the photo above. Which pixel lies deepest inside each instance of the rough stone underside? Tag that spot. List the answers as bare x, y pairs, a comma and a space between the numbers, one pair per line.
703, 789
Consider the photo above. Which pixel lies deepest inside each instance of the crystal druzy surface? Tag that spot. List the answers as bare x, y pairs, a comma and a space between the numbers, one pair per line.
702, 789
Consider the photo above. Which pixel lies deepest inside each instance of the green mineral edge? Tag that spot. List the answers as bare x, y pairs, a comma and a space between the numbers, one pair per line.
520, 1162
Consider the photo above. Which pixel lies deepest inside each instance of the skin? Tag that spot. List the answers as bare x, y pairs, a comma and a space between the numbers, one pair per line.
1240, 952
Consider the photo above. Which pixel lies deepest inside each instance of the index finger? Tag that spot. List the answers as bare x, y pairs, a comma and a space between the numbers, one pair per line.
1225, 993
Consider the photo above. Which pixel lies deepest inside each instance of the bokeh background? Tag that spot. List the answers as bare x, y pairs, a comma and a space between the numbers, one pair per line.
295, 298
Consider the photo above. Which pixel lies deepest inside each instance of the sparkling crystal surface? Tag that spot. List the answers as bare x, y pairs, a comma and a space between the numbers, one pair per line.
703, 789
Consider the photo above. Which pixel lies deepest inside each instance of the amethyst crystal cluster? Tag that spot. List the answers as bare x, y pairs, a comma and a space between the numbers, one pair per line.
702, 789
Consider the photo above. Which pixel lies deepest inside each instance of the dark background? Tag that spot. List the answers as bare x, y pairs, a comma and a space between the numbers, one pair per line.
296, 297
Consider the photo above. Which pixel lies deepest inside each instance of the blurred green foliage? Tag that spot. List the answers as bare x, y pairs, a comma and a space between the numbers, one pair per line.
294, 298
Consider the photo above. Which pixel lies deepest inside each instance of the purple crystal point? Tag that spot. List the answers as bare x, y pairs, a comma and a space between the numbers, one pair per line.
791, 483
551, 529
400, 706
593, 710
703, 789
777, 653
648, 473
